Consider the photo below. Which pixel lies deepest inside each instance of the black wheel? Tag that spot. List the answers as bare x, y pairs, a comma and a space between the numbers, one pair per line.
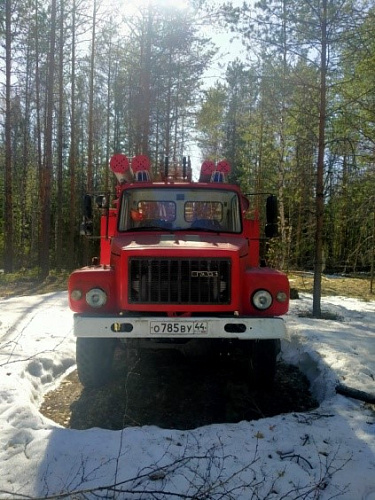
262, 363
94, 358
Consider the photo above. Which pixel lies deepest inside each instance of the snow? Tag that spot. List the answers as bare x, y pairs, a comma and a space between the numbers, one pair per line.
325, 453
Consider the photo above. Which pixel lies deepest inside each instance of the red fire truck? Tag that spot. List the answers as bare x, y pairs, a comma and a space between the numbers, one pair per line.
179, 268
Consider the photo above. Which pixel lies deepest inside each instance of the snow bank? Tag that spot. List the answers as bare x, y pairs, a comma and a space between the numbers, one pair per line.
319, 454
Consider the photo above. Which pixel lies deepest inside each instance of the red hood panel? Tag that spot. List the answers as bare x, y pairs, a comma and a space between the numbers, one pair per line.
179, 242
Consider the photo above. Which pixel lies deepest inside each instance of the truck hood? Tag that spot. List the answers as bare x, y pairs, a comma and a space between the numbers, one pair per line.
175, 242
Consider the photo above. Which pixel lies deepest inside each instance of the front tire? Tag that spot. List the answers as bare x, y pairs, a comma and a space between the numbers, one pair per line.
262, 363
94, 358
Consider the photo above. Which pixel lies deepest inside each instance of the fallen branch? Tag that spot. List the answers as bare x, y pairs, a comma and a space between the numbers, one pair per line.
355, 393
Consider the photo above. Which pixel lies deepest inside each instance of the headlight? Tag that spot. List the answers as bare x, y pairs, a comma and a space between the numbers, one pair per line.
262, 299
96, 297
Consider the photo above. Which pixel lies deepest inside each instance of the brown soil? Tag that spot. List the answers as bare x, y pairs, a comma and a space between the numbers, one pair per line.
170, 391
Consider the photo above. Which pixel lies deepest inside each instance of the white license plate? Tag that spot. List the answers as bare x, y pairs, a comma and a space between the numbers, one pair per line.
178, 327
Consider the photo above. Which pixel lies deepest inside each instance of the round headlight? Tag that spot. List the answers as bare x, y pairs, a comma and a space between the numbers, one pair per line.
262, 299
96, 297
76, 294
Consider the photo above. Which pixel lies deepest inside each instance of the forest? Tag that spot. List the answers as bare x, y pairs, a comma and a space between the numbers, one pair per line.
294, 114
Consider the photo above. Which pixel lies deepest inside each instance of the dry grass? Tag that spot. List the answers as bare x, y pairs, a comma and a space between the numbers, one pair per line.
26, 282
346, 286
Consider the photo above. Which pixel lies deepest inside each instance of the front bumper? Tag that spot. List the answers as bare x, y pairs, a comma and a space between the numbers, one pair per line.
179, 327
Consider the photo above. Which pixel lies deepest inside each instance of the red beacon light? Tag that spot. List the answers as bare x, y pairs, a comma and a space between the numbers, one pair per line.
221, 172
207, 169
141, 168
214, 173
120, 166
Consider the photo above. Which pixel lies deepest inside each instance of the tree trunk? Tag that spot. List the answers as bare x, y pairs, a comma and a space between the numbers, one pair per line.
282, 158
59, 203
145, 85
48, 158
350, 392
8, 215
319, 203
373, 256
90, 179
26, 235
35, 242
72, 152
90, 140
108, 122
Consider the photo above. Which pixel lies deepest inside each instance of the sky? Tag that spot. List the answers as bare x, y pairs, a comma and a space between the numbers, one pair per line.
229, 48
325, 453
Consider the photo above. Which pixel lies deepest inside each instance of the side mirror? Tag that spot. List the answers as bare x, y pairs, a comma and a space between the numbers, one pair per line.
87, 206
272, 212
101, 201
86, 227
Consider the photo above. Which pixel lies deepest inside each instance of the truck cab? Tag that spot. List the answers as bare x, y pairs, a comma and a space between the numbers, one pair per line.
179, 268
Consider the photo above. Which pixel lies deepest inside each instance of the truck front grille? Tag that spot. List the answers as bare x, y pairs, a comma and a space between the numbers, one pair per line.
179, 281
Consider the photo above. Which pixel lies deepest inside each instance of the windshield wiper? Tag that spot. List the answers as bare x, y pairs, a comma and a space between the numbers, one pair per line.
151, 228
205, 229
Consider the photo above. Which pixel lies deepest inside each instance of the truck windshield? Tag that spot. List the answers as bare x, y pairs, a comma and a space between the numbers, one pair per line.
185, 209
